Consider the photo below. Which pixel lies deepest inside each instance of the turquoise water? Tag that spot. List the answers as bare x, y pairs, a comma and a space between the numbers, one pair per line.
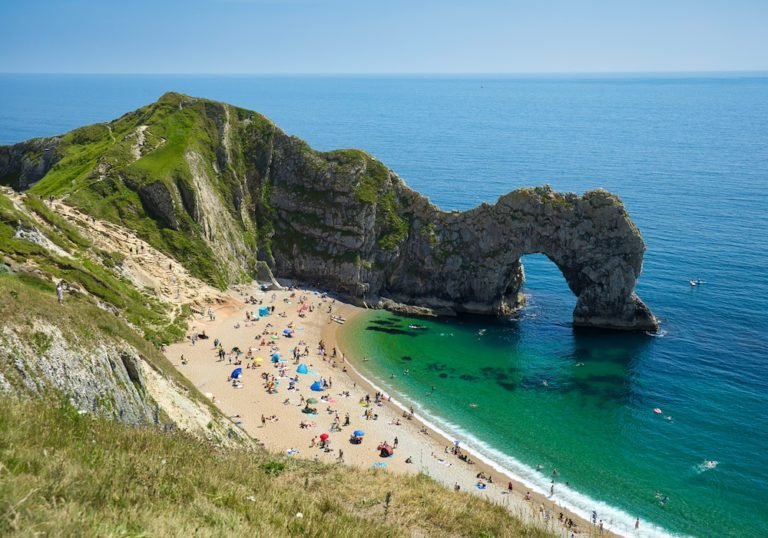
688, 155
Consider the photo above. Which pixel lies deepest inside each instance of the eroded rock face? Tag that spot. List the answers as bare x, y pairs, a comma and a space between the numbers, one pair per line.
450, 262
21, 165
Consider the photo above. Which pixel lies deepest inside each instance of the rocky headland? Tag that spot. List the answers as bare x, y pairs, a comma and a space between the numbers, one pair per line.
229, 195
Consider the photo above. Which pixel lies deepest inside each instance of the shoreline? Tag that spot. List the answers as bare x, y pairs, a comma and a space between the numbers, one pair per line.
427, 453
482, 462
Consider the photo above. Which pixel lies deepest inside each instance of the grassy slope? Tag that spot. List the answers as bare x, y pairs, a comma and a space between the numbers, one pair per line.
114, 197
67, 474
92, 273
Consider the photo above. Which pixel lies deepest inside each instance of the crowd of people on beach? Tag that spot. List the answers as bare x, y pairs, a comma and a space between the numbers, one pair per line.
275, 378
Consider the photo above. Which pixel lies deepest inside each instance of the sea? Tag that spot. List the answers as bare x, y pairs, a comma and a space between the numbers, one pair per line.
688, 155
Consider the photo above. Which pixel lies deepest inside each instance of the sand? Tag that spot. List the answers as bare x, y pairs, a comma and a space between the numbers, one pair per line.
247, 405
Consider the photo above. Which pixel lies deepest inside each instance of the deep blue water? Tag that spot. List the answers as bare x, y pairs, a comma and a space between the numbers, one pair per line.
689, 157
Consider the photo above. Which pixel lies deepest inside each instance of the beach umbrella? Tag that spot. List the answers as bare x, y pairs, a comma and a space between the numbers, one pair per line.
324, 436
302, 369
287, 332
311, 400
317, 386
236, 373
358, 433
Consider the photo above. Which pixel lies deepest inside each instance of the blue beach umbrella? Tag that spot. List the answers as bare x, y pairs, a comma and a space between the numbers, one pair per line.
317, 386
236, 373
358, 433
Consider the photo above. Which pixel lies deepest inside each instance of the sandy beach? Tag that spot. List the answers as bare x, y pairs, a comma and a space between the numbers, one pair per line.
278, 418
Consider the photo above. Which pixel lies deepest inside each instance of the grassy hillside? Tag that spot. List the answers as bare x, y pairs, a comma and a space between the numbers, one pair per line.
62, 473
82, 267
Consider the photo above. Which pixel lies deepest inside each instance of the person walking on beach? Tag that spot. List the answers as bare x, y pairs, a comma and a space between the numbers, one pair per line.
395, 443
552, 489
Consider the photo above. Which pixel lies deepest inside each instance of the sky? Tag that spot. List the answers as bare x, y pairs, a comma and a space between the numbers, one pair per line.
384, 36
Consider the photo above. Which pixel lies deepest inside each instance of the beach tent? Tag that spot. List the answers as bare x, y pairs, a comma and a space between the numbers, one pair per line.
385, 451
263, 311
317, 386
236, 373
275, 357
302, 369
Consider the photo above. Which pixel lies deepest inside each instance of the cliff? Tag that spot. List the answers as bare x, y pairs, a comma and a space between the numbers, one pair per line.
220, 189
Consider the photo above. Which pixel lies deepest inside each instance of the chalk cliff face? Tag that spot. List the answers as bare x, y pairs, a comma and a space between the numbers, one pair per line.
241, 191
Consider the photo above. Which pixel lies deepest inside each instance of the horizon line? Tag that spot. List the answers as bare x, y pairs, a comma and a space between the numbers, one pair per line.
404, 74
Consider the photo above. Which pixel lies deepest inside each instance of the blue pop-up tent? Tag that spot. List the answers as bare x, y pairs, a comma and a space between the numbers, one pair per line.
275, 358
302, 369
263, 311
236, 373
317, 386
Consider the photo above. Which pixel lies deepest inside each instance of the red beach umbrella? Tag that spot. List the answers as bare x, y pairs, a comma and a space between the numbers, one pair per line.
324, 436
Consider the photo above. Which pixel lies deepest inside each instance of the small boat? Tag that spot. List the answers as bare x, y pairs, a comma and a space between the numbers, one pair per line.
417, 327
692, 282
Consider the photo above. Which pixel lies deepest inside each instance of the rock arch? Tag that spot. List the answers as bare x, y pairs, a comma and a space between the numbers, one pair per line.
471, 262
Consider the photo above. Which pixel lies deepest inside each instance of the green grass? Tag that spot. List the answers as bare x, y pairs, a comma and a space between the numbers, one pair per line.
115, 197
146, 313
66, 474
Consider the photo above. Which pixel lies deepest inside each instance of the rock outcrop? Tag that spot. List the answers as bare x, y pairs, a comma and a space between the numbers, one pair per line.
250, 195
24, 164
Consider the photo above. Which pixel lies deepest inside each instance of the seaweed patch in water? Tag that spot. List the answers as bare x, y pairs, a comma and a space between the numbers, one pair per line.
506, 385
469, 377
389, 330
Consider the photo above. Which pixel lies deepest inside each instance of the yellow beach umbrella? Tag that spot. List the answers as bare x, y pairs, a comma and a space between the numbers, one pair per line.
258, 359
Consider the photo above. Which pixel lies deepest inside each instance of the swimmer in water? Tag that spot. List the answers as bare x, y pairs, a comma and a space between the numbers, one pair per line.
473, 405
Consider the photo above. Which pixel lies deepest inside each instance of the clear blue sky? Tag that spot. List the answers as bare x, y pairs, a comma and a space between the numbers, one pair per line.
384, 36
